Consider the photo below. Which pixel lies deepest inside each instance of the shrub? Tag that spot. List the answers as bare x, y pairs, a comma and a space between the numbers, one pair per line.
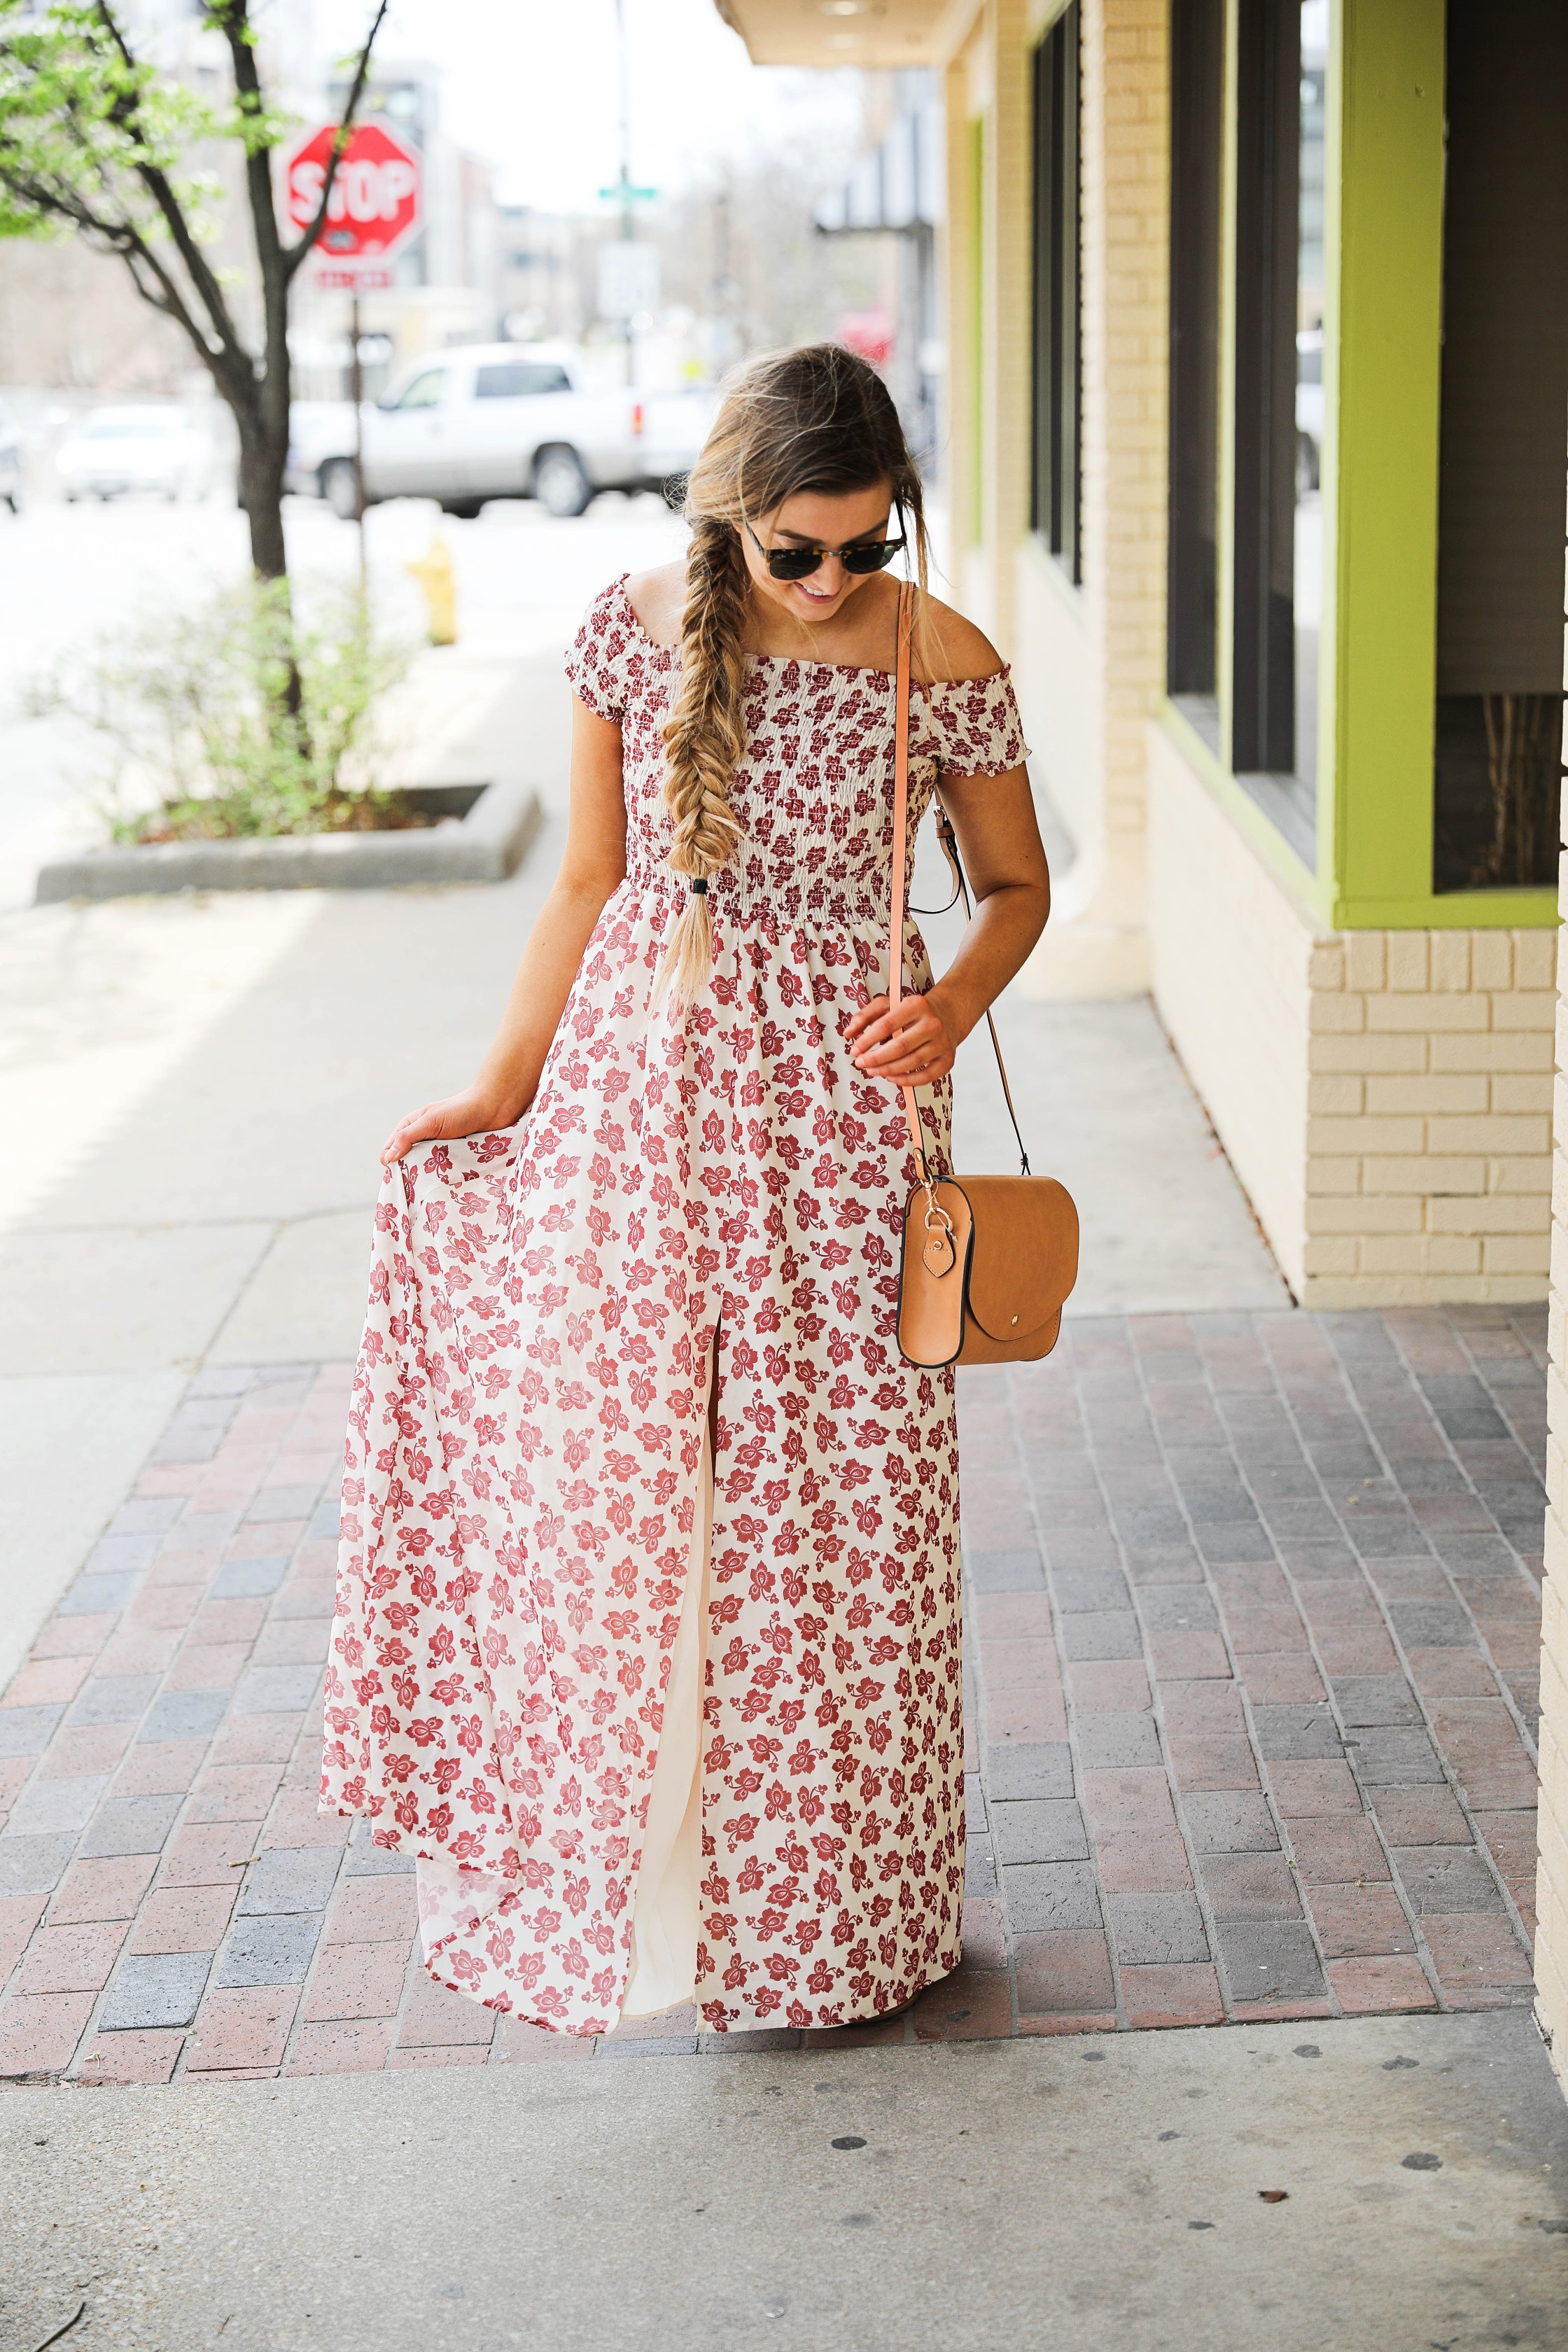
238, 718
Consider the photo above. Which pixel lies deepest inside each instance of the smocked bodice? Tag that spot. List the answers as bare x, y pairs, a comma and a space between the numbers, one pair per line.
814, 792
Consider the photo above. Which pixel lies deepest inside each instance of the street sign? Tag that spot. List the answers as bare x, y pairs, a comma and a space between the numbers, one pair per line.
374, 204
628, 280
353, 278
623, 192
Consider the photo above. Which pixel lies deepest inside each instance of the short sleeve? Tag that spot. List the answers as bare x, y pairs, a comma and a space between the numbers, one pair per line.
596, 661
976, 726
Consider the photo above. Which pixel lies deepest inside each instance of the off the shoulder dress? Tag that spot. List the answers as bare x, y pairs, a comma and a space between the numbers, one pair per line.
638, 1714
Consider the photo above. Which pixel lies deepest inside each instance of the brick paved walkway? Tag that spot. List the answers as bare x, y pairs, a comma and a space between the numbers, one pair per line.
1253, 1623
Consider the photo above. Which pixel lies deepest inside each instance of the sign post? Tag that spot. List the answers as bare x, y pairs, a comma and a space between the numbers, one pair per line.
374, 207
356, 394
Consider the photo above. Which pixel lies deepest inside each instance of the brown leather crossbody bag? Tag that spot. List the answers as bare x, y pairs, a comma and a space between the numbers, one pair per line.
987, 1262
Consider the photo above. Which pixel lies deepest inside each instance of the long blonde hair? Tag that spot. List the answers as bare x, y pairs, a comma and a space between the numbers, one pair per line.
817, 419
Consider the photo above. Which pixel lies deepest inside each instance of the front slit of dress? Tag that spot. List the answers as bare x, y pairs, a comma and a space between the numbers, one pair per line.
665, 1908
663, 1972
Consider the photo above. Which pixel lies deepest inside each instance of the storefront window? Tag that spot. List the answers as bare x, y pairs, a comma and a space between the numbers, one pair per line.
1281, 61
1499, 721
1197, 84
1057, 391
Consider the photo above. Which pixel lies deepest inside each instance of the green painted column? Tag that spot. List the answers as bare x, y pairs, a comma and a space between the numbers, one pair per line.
1386, 574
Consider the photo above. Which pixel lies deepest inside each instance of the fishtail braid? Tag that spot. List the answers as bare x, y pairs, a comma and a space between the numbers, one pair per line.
817, 419
705, 736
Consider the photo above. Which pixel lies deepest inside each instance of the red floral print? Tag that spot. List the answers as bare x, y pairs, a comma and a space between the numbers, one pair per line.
525, 1437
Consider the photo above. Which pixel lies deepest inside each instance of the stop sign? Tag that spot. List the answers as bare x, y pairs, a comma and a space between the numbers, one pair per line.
375, 200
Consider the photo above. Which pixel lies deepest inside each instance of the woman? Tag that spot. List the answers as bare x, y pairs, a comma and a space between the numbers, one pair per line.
648, 1631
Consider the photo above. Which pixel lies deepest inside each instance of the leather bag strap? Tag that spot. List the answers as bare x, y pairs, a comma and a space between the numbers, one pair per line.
900, 845
898, 893
949, 840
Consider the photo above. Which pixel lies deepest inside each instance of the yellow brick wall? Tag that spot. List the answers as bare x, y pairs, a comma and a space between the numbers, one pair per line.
1088, 679
1004, 358
1552, 1873
1385, 1097
1429, 1128
1126, 262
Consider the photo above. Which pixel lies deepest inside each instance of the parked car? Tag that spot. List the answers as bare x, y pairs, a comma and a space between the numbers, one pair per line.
496, 421
115, 450
11, 455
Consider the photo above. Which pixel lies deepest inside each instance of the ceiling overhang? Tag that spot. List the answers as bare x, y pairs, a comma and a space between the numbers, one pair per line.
841, 32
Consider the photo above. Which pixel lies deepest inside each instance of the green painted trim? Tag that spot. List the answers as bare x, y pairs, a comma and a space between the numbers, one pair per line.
1260, 833
1330, 817
1225, 517
1453, 910
1385, 488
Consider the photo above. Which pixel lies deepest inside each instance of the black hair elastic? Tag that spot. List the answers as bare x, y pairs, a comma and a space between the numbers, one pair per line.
699, 886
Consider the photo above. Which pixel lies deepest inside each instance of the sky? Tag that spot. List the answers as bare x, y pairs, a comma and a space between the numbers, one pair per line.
532, 84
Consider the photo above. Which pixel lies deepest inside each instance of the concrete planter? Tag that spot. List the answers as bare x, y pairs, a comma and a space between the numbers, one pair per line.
496, 825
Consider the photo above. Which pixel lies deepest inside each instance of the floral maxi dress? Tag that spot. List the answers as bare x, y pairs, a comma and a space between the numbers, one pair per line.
526, 1493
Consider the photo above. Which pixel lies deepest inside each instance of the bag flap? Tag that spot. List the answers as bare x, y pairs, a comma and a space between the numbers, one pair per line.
1024, 1260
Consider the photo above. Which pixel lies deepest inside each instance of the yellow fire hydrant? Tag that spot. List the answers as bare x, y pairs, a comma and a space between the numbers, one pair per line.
432, 570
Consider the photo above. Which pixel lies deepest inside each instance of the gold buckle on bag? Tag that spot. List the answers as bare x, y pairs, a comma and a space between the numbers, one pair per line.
939, 1253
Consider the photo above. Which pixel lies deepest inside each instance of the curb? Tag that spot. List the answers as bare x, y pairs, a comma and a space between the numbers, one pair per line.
498, 822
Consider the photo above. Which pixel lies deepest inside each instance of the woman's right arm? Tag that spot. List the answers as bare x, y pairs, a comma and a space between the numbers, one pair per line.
593, 868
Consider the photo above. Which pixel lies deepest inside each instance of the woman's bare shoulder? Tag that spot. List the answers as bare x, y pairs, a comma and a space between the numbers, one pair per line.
956, 651
658, 599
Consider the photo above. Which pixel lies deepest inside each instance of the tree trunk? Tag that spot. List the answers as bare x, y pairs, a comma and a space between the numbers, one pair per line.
263, 452
262, 457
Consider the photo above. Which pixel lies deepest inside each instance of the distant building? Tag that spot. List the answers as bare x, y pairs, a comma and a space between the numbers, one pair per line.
898, 192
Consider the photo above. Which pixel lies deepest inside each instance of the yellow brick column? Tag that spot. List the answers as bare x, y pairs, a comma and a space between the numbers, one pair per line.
1551, 1875
1096, 944
958, 240
1004, 354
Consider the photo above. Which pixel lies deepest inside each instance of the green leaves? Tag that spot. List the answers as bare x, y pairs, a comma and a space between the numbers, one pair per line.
82, 122
236, 719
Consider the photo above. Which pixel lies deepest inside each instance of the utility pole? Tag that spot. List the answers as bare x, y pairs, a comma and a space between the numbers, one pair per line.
629, 226
724, 323
620, 288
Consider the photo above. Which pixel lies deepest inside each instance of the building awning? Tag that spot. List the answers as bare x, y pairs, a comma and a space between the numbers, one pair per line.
900, 185
840, 32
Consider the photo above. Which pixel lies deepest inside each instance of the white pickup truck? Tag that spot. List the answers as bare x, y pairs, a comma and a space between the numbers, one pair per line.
496, 421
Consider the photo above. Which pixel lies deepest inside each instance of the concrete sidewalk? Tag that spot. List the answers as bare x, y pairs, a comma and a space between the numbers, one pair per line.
1077, 2194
